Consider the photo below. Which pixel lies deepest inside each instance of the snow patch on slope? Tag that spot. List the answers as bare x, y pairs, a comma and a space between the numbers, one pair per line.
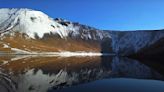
36, 24
19, 51
60, 54
6, 46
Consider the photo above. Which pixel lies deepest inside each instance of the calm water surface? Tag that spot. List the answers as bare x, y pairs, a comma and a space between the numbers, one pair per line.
79, 74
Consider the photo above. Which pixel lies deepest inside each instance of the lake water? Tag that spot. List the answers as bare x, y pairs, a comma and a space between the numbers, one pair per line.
79, 74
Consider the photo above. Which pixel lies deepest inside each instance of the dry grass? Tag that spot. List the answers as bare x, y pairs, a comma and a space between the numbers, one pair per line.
49, 44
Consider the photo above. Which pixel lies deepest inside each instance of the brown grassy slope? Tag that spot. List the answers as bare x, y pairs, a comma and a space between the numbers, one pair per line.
51, 43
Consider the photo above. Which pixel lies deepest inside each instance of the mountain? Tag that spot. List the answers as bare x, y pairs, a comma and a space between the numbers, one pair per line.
143, 43
26, 31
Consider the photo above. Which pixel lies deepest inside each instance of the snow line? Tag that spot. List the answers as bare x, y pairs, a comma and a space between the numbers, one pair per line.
65, 54
61, 54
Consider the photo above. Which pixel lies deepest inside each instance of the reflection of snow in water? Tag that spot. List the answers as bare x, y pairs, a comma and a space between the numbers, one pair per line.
36, 80
6, 83
131, 68
4, 62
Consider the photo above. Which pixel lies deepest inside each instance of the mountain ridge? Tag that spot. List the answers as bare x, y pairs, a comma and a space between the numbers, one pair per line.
30, 30
26, 29
20, 19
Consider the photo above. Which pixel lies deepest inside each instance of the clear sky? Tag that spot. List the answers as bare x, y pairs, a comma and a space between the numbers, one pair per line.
102, 14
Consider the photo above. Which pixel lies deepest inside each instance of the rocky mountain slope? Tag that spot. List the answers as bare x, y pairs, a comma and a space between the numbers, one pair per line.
30, 30
138, 43
26, 31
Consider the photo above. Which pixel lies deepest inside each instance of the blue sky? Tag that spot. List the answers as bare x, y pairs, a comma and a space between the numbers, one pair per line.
102, 14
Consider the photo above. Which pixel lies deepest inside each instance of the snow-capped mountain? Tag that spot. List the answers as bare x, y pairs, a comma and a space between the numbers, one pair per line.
36, 23
82, 31
29, 30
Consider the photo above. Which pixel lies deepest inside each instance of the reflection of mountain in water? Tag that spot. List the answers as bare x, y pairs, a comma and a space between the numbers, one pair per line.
42, 74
